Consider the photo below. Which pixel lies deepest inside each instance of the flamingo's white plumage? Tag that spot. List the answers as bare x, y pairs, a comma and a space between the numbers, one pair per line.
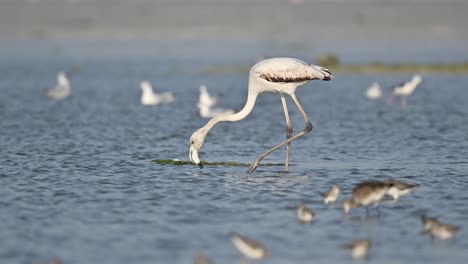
374, 92
405, 89
148, 97
62, 89
278, 75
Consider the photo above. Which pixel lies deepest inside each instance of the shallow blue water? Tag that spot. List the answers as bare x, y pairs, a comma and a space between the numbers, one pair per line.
77, 181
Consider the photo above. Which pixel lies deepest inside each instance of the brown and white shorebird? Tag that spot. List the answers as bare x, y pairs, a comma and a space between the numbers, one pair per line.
200, 258
366, 194
304, 214
435, 228
276, 75
358, 248
331, 195
399, 188
250, 248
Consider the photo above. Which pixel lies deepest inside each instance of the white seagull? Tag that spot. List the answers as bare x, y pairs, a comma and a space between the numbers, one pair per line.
374, 92
205, 99
405, 89
206, 102
62, 89
148, 97
277, 75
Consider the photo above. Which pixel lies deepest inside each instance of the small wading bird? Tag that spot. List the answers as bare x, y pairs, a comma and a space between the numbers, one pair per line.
250, 248
200, 258
148, 97
435, 228
366, 194
374, 92
404, 90
304, 214
399, 188
358, 248
331, 195
278, 75
62, 89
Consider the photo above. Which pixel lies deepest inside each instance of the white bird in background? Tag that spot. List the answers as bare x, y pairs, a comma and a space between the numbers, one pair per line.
277, 75
205, 99
206, 102
405, 89
148, 97
374, 92
62, 89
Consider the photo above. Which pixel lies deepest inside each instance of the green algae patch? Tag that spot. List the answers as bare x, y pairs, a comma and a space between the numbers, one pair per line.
222, 163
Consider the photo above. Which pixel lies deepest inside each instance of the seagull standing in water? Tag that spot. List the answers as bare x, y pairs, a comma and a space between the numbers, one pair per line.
374, 92
206, 102
62, 89
148, 97
404, 90
277, 75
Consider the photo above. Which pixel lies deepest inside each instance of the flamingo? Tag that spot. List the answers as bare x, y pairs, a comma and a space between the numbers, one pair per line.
405, 89
374, 92
148, 97
62, 89
277, 75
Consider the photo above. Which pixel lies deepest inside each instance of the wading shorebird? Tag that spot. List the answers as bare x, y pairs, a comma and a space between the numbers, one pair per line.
62, 89
304, 214
404, 90
200, 258
399, 188
250, 248
366, 194
374, 92
331, 195
277, 75
435, 228
358, 248
148, 97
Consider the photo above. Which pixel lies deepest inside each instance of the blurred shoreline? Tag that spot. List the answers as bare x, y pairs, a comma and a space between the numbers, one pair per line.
357, 30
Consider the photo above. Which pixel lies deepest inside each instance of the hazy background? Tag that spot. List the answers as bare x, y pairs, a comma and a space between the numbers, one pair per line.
356, 30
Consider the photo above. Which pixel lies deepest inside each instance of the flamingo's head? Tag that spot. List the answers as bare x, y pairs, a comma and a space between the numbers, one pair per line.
196, 142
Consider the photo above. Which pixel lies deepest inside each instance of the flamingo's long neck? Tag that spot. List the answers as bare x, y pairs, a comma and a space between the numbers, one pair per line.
249, 105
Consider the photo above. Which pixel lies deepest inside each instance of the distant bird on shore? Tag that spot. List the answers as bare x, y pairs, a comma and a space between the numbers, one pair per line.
435, 228
277, 75
399, 188
374, 92
206, 102
62, 89
331, 195
358, 248
404, 90
366, 194
148, 97
305, 214
250, 248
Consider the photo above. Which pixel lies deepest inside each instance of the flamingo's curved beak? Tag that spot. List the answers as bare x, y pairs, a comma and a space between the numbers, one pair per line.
193, 155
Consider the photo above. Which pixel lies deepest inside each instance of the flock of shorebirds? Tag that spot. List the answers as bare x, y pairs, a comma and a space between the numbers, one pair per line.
206, 102
283, 76
365, 194
402, 90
